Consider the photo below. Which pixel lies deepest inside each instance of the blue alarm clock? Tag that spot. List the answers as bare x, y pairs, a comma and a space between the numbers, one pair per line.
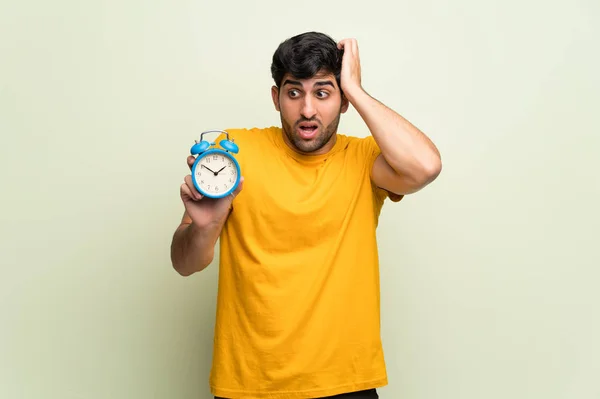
216, 172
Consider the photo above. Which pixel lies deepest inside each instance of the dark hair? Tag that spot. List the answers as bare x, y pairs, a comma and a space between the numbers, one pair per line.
304, 55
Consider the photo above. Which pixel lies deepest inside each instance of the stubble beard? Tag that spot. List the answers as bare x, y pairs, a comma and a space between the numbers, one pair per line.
310, 146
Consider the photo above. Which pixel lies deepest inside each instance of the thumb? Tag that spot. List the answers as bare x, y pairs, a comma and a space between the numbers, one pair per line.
239, 188
190, 161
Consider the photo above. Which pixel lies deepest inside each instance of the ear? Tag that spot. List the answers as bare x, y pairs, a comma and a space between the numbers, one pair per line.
275, 95
345, 104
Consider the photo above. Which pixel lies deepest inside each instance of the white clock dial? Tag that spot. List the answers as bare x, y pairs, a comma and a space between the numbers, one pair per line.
215, 173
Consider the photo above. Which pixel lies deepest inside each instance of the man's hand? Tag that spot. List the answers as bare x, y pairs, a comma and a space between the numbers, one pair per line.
192, 247
203, 211
350, 76
409, 160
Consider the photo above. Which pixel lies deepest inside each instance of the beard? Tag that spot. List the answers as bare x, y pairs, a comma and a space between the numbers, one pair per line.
316, 143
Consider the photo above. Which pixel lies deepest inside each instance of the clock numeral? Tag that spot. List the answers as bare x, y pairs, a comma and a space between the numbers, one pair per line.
201, 181
232, 172
215, 157
225, 185
230, 181
207, 160
208, 187
216, 189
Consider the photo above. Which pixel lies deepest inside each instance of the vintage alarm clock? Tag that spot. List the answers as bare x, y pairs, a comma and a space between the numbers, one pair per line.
215, 172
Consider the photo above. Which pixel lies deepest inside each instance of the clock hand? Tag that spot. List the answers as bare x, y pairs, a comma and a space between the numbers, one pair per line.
219, 171
216, 173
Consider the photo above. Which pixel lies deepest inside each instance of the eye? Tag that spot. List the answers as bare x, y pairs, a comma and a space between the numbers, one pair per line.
294, 93
322, 94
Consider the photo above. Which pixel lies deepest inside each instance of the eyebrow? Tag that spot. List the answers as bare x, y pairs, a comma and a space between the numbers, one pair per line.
317, 84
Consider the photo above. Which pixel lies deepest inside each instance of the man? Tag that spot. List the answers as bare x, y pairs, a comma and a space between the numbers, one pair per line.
298, 291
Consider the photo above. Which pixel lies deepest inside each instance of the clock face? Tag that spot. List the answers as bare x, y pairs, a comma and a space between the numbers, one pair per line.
215, 174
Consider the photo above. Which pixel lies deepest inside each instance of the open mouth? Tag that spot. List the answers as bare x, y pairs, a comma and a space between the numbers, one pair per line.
308, 129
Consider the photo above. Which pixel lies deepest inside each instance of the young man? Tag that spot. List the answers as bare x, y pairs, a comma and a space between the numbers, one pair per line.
298, 292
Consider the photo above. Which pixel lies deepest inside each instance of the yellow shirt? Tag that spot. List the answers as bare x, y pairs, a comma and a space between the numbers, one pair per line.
298, 294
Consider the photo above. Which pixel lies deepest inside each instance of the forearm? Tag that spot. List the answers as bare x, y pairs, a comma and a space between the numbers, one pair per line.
405, 148
192, 248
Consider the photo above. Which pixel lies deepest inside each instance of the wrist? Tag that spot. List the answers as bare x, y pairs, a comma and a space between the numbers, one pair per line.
199, 232
354, 93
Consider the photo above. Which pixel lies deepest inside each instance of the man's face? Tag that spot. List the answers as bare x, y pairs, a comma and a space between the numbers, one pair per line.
310, 111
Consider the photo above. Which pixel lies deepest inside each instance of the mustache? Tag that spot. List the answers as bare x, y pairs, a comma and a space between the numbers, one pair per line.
312, 120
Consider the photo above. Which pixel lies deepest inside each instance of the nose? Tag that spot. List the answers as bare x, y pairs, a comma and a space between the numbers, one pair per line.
308, 108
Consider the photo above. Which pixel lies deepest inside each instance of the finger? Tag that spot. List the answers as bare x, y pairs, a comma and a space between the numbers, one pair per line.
354, 46
343, 43
190, 161
186, 193
239, 188
193, 192
349, 45
235, 192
